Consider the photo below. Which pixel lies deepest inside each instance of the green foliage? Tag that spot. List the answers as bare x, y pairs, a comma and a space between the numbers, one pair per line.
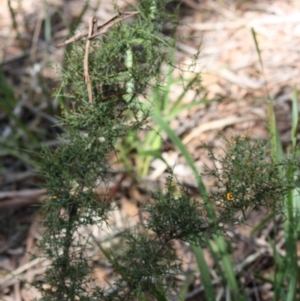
249, 178
176, 215
79, 164
160, 101
146, 263
124, 65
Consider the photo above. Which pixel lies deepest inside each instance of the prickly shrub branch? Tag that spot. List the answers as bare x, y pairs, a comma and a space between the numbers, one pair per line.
124, 64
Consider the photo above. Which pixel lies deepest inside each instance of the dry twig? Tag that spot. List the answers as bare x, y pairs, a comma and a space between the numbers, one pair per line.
93, 33
92, 25
103, 28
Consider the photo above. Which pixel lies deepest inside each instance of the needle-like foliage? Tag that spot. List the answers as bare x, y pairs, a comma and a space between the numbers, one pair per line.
104, 104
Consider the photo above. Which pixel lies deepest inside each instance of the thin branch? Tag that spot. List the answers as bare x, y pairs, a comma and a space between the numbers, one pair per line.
103, 28
92, 25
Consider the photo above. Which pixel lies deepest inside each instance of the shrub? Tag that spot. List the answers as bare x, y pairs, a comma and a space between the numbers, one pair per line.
104, 108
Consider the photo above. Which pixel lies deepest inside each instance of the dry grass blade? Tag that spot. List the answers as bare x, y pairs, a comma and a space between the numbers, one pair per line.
13, 277
22, 193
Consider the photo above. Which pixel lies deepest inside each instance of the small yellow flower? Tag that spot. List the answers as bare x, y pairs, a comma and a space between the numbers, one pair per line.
229, 196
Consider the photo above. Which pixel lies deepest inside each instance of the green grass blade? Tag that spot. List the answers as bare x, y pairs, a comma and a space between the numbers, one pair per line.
257, 47
228, 269
149, 149
159, 295
184, 290
218, 250
178, 143
187, 88
214, 251
13, 16
153, 154
205, 275
276, 146
73, 28
167, 88
7, 92
295, 116
262, 223
209, 292
209, 207
7, 105
47, 27
21, 126
279, 275
18, 153
291, 266
177, 110
79, 19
